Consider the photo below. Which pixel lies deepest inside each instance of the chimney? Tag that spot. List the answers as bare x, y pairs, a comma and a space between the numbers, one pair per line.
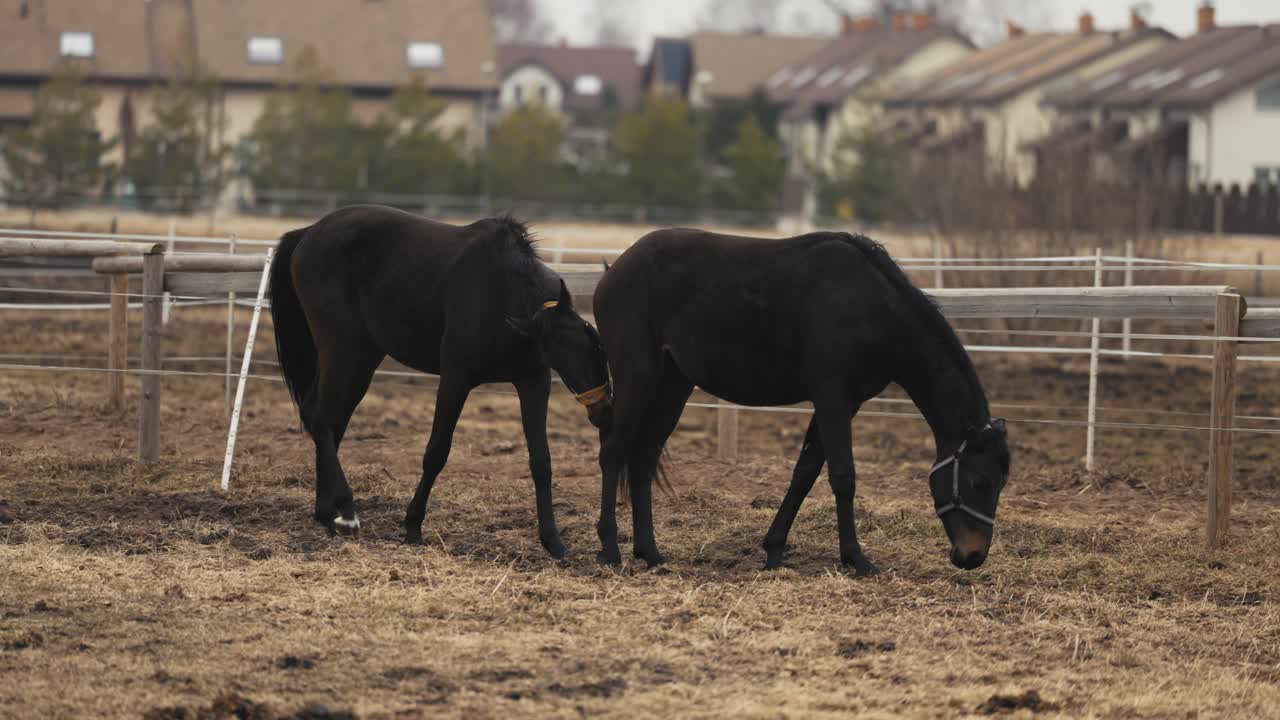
1015, 30
1086, 23
898, 21
1136, 21
850, 24
1206, 17
920, 20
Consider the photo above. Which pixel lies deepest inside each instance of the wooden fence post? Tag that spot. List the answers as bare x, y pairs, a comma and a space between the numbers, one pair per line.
1094, 347
168, 248
1222, 411
118, 341
152, 332
727, 431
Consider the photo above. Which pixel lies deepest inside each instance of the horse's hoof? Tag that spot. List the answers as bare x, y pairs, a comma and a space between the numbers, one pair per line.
773, 559
556, 550
606, 557
862, 567
347, 527
412, 537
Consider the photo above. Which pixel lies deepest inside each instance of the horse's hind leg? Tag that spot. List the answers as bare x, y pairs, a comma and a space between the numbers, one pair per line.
533, 416
642, 465
808, 467
832, 412
341, 382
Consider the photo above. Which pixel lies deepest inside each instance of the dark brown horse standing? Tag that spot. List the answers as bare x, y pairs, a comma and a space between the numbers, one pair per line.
472, 304
824, 317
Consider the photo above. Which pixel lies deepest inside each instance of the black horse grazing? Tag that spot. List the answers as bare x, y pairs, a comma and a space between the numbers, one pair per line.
825, 317
473, 304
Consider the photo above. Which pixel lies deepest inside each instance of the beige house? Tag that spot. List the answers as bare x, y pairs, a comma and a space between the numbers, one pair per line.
127, 47
995, 96
1204, 109
833, 93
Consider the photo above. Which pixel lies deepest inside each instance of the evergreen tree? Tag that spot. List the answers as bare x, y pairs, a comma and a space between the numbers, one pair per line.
659, 146
409, 155
757, 167
523, 160
179, 160
58, 158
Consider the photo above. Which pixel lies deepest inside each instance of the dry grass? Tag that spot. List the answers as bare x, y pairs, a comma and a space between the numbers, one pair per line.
130, 590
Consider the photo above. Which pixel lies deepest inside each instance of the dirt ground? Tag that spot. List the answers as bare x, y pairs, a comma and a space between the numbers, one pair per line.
132, 591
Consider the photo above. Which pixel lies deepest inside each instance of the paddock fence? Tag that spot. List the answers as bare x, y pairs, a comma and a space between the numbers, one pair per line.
184, 270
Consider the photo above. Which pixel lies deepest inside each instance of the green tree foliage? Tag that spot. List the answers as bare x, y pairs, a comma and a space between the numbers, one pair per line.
408, 155
865, 182
306, 139
179, 161
659, 146
757, 166
59, 157
523, 160
724, 121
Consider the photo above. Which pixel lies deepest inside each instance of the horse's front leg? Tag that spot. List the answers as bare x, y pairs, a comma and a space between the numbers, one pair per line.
533, 394
450, 397
832, 411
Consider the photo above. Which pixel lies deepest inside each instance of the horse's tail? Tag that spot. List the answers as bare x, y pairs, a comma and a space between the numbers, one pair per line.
658, 476
295, 347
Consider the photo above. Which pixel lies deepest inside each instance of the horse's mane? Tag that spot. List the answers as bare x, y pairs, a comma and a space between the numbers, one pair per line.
513, 247
926, 307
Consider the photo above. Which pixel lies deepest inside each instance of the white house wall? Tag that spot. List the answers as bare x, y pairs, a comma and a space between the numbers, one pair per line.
530, 79
1235, 138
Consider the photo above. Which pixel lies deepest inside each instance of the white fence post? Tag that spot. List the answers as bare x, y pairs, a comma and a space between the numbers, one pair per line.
1094, 347
1127, 329
167, 309
937, 261
231, 332
244, 372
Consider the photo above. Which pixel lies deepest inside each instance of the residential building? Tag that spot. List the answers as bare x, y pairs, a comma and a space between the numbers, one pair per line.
710, 66
994, 97
1204, 109
833, 93
589, 86
126, 48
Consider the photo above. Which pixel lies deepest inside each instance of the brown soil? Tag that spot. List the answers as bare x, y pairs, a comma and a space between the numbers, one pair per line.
131, 590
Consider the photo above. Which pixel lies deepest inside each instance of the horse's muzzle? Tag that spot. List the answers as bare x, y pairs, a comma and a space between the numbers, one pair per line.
970, 550
601, 414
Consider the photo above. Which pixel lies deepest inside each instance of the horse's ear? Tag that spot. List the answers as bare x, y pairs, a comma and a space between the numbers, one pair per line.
565, 298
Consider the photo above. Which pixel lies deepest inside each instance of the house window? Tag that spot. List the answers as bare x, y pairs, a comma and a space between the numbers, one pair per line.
76, 44
266, 51
425, 55
1265, 176
518, 94
542, 94
1268, 97
588, 85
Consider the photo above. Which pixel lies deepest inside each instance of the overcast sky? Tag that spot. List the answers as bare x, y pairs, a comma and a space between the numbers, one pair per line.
578, 19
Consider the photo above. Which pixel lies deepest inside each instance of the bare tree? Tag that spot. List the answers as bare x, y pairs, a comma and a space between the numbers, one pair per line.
613, 23
740, 15
520, 21
983, 20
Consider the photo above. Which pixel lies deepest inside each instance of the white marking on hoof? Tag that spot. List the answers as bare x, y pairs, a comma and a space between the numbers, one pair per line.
343, 524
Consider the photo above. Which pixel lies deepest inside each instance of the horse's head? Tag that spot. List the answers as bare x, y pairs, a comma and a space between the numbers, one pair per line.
571, 347
966, 488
